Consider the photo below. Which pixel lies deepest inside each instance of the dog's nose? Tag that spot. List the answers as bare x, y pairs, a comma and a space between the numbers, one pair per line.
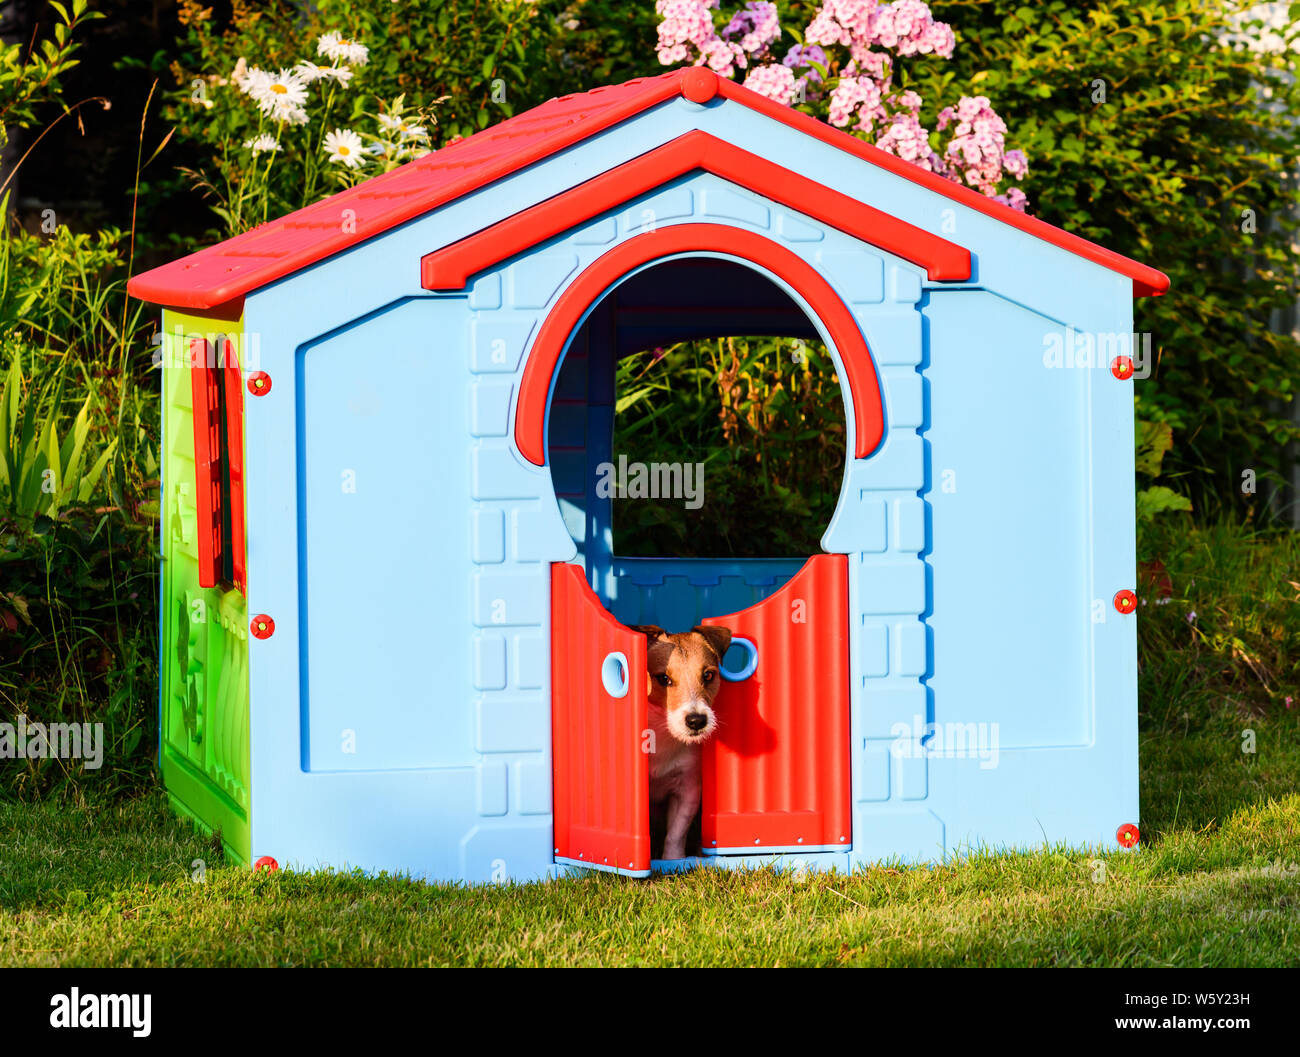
697, 721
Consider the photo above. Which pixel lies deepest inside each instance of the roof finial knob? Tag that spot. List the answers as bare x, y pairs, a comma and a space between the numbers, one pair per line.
699, 84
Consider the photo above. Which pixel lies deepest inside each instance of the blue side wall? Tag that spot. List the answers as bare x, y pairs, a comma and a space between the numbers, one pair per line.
400, 713
1030, 496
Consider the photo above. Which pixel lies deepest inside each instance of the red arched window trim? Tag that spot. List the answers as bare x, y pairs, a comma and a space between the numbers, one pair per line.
607, 270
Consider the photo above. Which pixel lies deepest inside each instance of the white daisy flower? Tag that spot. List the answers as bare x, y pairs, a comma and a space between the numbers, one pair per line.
262, 144
340, 48
389, 123
288, 114
328, 43
280, 96
283, 90
310, 72
412, 131
251, 82
344, 146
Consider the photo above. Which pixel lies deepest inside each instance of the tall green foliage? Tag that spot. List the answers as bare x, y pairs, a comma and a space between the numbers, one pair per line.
764, 417
39, 473
30, 69
78, 454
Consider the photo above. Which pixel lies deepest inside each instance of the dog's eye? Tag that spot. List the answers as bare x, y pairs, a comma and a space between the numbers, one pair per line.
708, 676
663, 680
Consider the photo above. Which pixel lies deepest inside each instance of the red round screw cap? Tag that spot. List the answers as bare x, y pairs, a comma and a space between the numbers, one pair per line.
1127, 835
1122, 368
262, 626
699, 85
265, 863
259, 383
1126, 601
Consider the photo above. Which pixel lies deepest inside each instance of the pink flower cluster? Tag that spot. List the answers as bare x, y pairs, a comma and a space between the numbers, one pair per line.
908, 28
775, 81
841, 22
862, 96
905, 27
759, 26
858, 97
685, 27
905, 137
976, 151
687, 34
805, 55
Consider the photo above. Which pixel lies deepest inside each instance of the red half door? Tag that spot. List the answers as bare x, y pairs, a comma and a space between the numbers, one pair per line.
776, 773
601, 771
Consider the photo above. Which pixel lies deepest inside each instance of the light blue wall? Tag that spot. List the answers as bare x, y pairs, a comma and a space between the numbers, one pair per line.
1029, 508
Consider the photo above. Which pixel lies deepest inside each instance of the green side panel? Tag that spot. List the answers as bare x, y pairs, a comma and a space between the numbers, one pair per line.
203, 718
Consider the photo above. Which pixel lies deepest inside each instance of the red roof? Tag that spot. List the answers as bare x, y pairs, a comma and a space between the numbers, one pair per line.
227, 271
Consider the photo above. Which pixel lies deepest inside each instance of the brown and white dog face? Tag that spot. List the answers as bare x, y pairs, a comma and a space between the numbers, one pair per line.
683, 678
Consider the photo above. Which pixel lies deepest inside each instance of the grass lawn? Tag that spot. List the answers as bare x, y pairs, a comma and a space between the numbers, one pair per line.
97, 873
1217, 884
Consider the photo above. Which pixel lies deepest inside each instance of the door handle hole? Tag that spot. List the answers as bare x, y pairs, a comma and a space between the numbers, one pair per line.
741, 660
613, 674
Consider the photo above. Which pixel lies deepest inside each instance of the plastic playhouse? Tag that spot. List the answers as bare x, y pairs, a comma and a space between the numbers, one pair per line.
395, 620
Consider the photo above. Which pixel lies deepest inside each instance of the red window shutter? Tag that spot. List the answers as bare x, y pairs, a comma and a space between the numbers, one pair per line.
234, 383
218, 461
207, 461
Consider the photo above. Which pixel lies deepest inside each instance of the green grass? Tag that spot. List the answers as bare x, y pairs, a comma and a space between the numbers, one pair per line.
92, 878
1218, 883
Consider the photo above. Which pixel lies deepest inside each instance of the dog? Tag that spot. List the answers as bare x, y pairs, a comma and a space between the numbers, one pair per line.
682, 679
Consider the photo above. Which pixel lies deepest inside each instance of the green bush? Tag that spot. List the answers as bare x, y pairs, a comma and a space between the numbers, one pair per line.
458, 67
1149, 133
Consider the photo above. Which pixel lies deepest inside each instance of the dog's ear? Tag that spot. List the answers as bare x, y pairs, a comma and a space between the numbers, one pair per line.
658, 650
718, 638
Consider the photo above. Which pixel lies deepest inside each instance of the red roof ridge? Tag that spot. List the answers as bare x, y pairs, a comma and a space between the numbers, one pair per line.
227, 271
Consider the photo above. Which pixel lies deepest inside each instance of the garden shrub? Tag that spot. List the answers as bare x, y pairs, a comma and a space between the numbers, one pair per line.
1169, 131
457, 68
